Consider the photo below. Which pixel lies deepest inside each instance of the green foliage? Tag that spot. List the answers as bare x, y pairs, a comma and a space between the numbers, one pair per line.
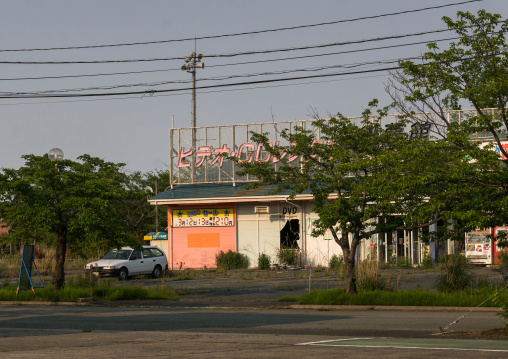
502, 301
368, 276
427, 262
455, 276
503, 258
469, 177
231, 260
263, 261
73, 293
69, 204
417, 297
404, 263
289, 256
336, 263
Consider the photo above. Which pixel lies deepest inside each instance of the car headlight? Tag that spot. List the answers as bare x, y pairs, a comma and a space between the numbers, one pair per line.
109, 267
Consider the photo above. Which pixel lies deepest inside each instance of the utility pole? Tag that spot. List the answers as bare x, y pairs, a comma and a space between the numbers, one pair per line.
191, 64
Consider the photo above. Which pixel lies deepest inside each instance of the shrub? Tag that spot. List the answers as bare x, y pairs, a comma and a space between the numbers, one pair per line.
503, 303
427, 261
288, 256
503, 258
367, 276
263, 262
336, 262
231, 260
404, 263
454, 276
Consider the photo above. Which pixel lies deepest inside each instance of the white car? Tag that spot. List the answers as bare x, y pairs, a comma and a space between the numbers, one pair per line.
127, 262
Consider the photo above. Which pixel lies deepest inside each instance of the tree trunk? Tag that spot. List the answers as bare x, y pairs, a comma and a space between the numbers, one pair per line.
349, 274
58, 270
348, 253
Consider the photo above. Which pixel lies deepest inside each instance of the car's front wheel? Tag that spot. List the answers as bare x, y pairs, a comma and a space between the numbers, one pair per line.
157, 271
123, 274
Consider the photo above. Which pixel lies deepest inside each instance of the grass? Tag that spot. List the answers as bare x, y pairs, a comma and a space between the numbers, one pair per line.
417, 297
87, 286
49, 294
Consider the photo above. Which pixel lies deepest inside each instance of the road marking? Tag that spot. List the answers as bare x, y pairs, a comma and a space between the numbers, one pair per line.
417, 343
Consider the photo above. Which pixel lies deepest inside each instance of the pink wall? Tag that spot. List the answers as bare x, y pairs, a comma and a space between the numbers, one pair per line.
197, 246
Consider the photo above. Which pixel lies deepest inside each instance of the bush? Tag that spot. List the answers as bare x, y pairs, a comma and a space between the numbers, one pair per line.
427, 262
503, 258
404, 263
231, 260
455, 277
367, 276
336, 262
263, 262
288, 256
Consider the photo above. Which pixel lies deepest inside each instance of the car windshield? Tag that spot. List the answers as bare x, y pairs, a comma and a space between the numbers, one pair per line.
118, 254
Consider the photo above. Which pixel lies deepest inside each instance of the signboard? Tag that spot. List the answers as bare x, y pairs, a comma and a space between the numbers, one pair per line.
155, 236
215, 217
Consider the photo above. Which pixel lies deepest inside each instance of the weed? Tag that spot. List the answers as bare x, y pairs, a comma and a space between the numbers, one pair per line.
454, 275
427, 262
231, 260
263, 262
289, 256
367, 276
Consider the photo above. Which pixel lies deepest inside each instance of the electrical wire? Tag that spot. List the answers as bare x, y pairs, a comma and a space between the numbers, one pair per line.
185, 93
234, 64
222, 78
148, 92
244, 53
248, 32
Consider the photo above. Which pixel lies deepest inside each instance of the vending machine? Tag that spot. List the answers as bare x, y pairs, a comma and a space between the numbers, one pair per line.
479, 247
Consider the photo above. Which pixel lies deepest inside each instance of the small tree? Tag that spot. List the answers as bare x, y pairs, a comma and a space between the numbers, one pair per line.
347, 171
72, 205
473, 188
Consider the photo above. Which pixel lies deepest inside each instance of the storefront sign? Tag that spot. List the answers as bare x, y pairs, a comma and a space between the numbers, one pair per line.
215, 217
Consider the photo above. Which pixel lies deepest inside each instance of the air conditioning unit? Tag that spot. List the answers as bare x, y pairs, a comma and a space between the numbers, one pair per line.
261, 209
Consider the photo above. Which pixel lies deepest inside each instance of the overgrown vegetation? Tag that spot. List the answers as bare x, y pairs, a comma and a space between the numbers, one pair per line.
289, 256
368, 276
417, 297
87, 286
264, 261
231, 260
455, 276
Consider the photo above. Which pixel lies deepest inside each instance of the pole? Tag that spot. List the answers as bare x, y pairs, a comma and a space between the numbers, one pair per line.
156, 210
191, 65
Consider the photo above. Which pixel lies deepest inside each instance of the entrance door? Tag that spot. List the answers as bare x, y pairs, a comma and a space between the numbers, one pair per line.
289, 246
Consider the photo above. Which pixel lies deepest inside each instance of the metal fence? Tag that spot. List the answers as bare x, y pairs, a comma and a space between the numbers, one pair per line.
194, 151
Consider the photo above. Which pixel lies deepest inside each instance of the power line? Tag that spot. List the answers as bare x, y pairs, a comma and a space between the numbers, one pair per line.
130, 97
234, 54
222, 78
248, 32
148, 92
234, 64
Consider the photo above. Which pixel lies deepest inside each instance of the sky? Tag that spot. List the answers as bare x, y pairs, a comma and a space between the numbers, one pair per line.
134, 128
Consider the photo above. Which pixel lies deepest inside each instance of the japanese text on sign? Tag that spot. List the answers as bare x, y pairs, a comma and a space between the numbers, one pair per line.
217, 217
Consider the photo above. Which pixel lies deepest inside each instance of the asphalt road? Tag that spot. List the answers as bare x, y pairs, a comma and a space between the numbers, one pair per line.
240, 317
91, 331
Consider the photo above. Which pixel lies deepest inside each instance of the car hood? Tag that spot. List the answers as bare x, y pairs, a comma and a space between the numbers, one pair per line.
105, 262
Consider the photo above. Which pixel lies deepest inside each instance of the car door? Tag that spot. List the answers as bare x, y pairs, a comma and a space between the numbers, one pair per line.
136, 263
149, 261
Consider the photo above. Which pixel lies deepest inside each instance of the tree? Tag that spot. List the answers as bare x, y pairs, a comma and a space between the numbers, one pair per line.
348, 171
67, 204
472, 71
135, 211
